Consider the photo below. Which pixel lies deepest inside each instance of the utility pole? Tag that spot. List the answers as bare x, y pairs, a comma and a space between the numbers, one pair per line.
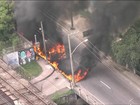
44, 43
71, 63
71, 16
35, 39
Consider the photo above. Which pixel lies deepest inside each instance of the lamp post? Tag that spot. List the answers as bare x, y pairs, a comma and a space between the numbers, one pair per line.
71, 60
79, 45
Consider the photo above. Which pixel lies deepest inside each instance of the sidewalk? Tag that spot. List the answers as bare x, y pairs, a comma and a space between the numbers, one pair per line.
87, 96
54, 81
128, 74
134, 78
47, 70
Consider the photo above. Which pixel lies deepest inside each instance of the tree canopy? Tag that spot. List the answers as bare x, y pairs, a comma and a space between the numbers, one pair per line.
6, 20
127, 50
7, 24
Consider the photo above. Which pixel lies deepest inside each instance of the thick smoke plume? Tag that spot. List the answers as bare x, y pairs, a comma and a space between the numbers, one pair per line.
108, 19
111, 18
30, 13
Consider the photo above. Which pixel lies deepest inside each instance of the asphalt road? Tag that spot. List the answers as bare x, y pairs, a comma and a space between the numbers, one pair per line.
108, 85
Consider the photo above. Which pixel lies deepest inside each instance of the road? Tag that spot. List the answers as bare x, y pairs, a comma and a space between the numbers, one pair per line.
107, 84
110, 87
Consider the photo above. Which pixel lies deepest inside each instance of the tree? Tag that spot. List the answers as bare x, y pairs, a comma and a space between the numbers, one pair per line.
6, 20
7, 24
127, 51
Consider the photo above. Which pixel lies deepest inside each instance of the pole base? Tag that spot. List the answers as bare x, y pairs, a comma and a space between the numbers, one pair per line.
73, 85
72, 28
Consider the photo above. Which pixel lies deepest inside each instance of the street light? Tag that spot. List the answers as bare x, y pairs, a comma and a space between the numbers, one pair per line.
79, 45
71, 60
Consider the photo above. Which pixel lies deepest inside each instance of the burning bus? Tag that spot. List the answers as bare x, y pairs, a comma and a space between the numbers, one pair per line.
56, 55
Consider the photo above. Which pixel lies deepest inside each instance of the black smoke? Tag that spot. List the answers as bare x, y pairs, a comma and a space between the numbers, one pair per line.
29, 14
110, 18
107, 18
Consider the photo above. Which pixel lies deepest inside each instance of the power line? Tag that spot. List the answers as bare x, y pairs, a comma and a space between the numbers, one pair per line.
53, 18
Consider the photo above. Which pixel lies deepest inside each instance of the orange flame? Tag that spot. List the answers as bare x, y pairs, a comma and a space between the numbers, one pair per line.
57, 49
60, 50
38, 51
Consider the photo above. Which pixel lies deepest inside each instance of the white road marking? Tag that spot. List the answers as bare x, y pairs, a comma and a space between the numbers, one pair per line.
105, 84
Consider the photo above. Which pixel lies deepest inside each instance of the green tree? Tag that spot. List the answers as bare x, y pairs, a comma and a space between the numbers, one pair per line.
127, 51
6, 20
8, 36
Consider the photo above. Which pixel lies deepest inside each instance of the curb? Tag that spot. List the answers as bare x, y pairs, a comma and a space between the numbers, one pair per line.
122, 71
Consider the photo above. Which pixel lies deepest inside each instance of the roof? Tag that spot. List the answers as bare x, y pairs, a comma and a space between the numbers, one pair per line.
5, 99
19, 89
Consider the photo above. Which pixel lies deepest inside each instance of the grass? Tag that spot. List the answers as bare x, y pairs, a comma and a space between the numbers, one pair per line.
57, 97
29, 70
32, 68
58, 94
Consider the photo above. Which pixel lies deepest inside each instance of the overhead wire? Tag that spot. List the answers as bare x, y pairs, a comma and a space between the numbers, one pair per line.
53, 19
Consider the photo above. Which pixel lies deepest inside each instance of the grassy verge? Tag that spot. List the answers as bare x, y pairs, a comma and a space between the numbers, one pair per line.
29, 70
33, 68
57, 95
